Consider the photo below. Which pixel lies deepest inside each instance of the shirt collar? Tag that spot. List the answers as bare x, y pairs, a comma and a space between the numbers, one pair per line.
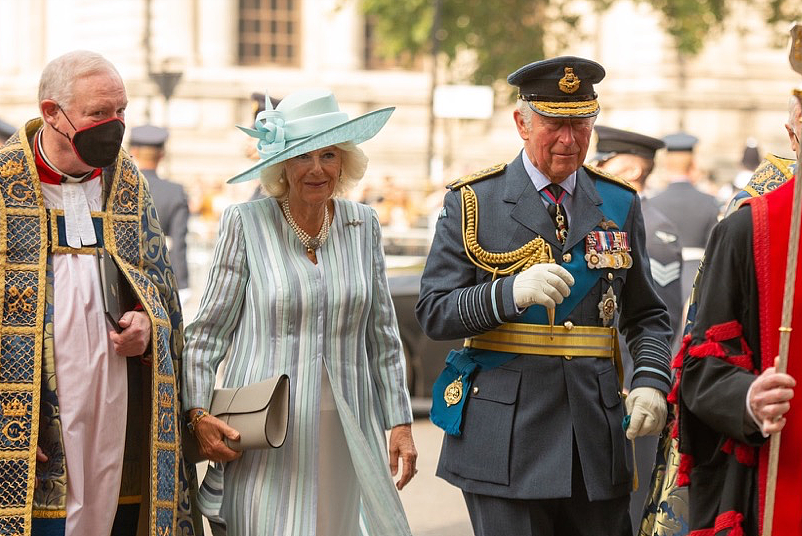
541, 181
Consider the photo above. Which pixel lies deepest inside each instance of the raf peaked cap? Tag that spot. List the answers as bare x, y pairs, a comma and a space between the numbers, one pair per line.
149, 135
559, 87
612, 141
680, 141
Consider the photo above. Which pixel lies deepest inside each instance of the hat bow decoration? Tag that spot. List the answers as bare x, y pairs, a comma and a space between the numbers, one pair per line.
269, 132
274, 128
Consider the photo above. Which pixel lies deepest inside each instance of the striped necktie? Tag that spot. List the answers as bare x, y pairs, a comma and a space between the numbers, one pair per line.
554, 194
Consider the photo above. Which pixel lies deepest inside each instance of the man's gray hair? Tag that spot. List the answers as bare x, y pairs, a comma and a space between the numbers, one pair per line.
59, 76
526, 112
354, 163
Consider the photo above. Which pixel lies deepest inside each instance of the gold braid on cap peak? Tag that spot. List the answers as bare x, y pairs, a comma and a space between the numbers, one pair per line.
566, 108
535, 251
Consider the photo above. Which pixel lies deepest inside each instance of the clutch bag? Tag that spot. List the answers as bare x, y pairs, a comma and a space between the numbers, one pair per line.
259, 412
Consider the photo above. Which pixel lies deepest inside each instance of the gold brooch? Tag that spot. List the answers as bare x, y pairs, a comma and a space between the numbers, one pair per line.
569, 83
453, 392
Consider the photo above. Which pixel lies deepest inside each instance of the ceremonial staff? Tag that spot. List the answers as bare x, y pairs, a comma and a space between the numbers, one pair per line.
795, 57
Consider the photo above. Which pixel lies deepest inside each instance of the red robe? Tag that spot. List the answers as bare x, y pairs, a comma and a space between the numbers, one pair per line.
771, 219
734, 338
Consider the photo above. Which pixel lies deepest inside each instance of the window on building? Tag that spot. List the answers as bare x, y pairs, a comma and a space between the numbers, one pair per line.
374, 60
269, 32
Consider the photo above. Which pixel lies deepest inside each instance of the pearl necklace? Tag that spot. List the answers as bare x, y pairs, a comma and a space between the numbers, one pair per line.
310, 242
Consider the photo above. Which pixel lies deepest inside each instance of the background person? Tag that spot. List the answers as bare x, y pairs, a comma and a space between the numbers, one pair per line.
298, 286
72, 389
170, 198
534, 428
630, 156
691, 210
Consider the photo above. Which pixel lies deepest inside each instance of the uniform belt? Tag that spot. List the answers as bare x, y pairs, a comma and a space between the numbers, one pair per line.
566, 341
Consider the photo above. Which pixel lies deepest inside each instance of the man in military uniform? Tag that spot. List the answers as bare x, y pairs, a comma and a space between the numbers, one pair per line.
691, 210
170, 198
630, 156
532, 405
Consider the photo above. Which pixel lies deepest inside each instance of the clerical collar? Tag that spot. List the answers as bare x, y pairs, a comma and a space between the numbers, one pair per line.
50, 174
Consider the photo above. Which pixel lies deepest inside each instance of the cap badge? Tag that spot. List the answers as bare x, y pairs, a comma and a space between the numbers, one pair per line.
569, 83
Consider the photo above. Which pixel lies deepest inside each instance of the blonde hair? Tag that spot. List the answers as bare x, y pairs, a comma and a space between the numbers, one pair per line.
59, 76
354, 162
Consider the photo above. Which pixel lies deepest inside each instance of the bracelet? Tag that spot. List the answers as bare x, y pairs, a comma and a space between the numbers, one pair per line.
200, 414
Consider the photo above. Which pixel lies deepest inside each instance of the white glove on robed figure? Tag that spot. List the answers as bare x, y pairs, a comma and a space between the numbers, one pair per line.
647, 409
544, 284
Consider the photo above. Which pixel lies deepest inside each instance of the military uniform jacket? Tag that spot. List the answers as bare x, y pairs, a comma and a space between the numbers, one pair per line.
665, 262
172, 210
695, 214
521, 419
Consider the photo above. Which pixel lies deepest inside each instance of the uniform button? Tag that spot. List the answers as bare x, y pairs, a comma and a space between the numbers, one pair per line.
567, 257
475, 390
610, 276
568, 357
568, 325
619, 394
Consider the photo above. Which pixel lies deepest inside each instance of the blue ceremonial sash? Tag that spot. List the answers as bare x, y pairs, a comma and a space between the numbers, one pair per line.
461, 364
615, 206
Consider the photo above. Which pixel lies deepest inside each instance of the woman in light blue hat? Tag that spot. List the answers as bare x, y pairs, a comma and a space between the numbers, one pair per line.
298, 287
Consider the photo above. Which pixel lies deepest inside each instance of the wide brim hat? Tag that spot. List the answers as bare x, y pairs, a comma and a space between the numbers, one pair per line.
305, 121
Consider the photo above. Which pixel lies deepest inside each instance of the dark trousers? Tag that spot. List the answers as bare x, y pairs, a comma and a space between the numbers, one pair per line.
573, 516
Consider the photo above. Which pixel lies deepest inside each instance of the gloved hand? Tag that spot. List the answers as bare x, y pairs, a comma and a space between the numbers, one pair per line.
647, 411
544, 284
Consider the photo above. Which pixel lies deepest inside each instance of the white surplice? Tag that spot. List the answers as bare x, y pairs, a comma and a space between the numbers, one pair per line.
92, 384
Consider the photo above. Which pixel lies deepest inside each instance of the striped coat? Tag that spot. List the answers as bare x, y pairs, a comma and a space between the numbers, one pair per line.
276, 312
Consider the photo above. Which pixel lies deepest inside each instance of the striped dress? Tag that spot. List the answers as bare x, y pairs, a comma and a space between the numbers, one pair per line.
273, 311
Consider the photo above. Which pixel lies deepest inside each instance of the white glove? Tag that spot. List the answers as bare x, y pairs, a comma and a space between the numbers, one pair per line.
647, 412
542, 284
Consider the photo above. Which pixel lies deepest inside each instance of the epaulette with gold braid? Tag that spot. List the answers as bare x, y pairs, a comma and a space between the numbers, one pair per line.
612, 178
476, 177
